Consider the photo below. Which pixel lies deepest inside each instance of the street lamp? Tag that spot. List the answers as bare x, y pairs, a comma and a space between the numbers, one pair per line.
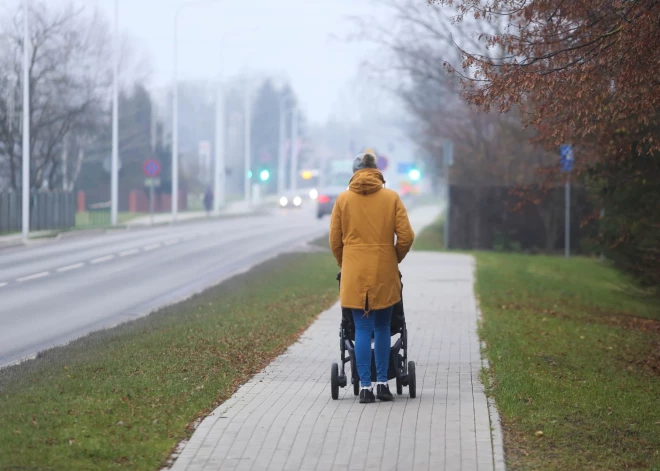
26, 125
114, 172
284, 99
293, 175
175, 109
219, 177
247, 127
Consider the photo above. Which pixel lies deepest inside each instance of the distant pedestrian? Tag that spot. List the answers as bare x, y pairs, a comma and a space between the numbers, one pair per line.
208, 201
365, 220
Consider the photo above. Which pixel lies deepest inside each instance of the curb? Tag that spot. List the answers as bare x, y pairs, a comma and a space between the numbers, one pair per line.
71, 233
496, 437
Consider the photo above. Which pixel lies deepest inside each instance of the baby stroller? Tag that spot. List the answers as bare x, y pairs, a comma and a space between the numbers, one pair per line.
399, 367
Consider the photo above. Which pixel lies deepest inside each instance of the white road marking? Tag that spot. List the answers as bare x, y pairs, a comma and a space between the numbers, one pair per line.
70, 267
150, 247
33, 277
128, 252
3, 284
172, 242
102, 259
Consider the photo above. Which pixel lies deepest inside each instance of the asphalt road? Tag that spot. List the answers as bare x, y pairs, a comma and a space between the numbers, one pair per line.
57, 291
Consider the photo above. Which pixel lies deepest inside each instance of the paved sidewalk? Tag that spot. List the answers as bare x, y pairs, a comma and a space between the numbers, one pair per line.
285, 419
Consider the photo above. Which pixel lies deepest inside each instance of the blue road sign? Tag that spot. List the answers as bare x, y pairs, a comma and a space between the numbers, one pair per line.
382, 162
405, 167
151, 168
566, 155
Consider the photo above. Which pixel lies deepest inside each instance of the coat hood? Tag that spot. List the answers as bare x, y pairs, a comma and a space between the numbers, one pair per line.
366, 181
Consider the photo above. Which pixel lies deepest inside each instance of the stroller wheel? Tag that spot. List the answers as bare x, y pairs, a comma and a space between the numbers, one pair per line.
399, 386
334, 381
412, 380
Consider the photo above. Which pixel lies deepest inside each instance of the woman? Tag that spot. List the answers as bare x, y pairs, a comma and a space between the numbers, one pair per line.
364, 221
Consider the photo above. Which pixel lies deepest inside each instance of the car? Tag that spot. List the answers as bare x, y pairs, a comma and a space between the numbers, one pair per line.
326, 200
290, 200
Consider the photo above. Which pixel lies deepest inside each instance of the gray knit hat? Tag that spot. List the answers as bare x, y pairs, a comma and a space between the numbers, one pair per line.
365, 160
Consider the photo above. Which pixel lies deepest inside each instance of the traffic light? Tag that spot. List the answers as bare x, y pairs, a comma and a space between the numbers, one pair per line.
264, 175
414, 174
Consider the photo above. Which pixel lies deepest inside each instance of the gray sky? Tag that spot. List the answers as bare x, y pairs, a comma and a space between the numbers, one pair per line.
291, 38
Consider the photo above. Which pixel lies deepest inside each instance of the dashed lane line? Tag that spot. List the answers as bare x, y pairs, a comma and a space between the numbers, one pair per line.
33, 277
70, 267
146, 248
172, 242
126, 253
3, 284
102, 259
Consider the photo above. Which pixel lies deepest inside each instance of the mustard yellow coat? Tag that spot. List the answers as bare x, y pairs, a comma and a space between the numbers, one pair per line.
365, 219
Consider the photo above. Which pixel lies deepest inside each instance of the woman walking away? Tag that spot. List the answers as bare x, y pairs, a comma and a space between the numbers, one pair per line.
364, 221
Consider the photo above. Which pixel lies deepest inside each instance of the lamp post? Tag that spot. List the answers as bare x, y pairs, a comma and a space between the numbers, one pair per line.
219, 178
284, 100
247, 138
114, 172
26, 125
293, 171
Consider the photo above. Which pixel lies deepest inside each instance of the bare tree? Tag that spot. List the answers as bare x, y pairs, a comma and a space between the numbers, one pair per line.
69, 79
419, 48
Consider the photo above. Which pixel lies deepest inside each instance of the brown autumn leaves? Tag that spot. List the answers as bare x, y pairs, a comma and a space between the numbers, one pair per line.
580, 70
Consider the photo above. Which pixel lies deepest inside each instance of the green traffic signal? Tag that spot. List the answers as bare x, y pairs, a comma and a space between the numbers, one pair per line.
414, 174
264, 175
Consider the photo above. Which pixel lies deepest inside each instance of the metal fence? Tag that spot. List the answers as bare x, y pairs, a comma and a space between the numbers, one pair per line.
48, 210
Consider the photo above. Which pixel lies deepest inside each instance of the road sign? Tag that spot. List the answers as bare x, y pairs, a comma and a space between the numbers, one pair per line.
149, 182
566, 154
151, 168
382, 162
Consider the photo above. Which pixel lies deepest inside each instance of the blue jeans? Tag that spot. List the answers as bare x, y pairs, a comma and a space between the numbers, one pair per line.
378, 323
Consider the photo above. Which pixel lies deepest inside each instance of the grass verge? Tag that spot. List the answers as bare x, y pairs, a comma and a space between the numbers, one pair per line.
574, 352
123, 398
85, 220
432, 237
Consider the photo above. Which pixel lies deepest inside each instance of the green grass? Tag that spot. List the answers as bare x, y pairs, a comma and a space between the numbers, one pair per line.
574, 352
123, 398
86, 220
432, 237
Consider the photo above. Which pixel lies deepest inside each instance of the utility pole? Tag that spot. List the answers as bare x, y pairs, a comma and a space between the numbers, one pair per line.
567, 216
566, 165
